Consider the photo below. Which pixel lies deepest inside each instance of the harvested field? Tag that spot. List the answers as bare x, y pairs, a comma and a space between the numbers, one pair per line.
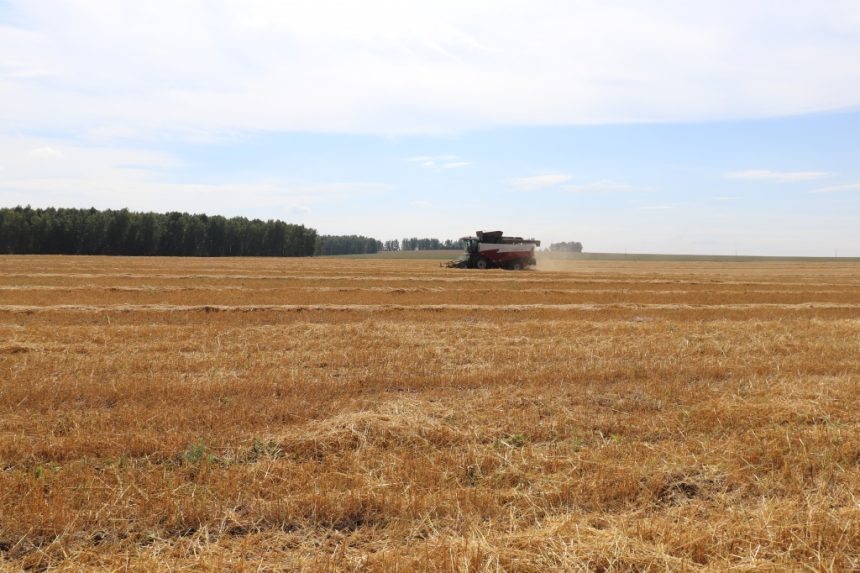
392, 415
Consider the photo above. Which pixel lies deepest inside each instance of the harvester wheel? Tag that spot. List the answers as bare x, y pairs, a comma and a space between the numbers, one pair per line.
482, 263
516, 266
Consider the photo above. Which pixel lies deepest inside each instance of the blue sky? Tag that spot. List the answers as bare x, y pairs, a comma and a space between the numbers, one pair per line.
668, 128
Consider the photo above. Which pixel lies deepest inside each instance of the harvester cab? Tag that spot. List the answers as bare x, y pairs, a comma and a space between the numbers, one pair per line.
491, 249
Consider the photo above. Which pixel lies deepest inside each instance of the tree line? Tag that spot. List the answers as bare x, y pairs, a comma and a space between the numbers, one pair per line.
569, 247
416, 244
24, 230
359, 245
346, 245
60, 231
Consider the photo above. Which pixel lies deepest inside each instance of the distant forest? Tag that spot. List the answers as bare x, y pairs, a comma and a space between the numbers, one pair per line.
24, 230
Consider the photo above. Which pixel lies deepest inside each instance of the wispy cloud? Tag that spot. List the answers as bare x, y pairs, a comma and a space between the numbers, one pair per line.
112, 177
439, 161
433, 158
604, 186
664, 206
838, 188
234, 65
561, 182
422, 203
540, 181
776, 176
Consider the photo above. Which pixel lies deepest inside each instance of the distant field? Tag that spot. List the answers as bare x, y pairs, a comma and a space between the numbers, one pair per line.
554, 256
345, 414
693, 258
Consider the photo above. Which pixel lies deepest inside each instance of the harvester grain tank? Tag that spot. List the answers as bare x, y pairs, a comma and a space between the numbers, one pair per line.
491, 249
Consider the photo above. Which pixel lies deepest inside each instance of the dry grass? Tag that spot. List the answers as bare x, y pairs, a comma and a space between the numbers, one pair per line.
378, 415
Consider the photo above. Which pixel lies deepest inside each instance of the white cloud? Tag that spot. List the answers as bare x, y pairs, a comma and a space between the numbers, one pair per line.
777, 176
422, 204
838, 188
111, 177
111, 132
456, 165
535, 182
409, 67
47, 153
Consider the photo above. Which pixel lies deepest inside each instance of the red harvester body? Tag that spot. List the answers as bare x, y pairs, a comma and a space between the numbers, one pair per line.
490, 249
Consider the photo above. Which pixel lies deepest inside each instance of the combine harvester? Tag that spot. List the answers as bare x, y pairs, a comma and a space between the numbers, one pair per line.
490, 249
